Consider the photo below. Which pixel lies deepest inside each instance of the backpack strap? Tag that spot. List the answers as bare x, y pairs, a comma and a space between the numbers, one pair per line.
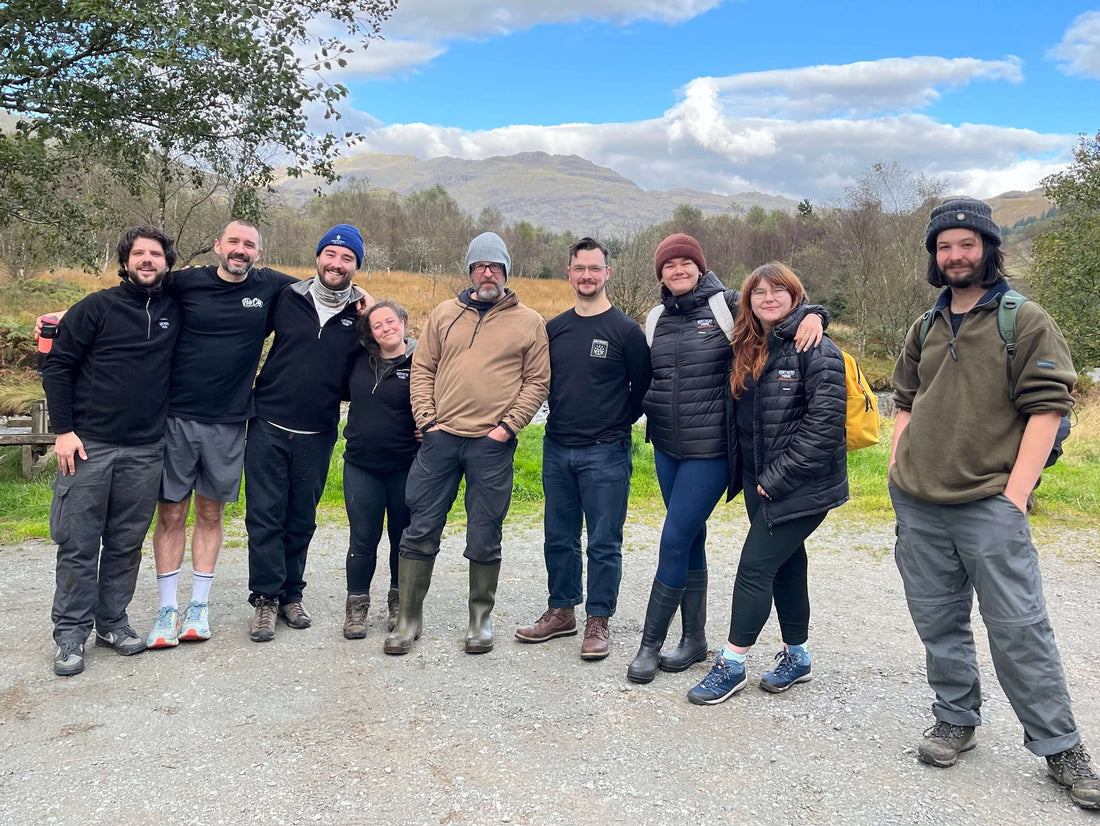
1006, 325
721, 312
925, 326
651, 323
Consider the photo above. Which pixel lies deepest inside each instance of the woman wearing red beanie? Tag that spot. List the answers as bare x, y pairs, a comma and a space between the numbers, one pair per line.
686, 409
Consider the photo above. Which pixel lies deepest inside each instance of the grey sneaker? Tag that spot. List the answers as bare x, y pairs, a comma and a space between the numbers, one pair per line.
262, 627
295, 614
1071, 768
124, 640
943, 743
68, 659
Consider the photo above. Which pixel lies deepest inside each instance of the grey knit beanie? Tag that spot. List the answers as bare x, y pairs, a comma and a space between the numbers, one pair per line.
961, 213
489, 247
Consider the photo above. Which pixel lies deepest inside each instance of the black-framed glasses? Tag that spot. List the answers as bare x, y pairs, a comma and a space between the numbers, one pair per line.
481, 266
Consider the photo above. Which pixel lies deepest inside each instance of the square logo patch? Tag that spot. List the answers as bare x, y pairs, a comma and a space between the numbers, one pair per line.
599, 349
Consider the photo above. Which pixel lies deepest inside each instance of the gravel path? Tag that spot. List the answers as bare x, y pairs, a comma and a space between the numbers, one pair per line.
313, 728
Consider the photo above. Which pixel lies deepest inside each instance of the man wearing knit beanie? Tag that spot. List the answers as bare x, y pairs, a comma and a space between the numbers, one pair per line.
961, 500
480, 373
290, 440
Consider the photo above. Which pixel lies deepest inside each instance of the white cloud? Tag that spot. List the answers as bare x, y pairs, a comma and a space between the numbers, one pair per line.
1079, 51
799, 141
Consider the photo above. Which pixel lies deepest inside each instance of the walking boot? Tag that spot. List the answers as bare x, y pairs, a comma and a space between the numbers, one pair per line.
355, 616
693, 620
663, 602
393, 602
414, 576
483, 596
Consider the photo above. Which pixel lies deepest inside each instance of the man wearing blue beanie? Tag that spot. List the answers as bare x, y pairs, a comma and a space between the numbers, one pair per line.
290, 439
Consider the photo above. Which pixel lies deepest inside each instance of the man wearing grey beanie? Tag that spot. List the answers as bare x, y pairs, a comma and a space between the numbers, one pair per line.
480, 372
976, 420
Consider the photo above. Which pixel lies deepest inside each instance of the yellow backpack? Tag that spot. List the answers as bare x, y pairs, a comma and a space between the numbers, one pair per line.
861, 423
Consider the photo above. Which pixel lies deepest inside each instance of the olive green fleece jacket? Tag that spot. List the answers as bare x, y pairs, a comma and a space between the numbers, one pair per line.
472, 372
962, 439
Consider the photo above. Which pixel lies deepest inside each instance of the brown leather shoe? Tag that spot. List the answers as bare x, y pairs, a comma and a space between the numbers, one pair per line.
597, 639
555, 622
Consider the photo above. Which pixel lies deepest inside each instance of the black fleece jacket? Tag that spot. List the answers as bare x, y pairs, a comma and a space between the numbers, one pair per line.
380, 433
108, 373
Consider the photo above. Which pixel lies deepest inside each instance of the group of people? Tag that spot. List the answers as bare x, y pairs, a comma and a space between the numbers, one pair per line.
150, 389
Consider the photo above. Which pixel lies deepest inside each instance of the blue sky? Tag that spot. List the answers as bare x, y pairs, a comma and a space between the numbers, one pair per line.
793, 98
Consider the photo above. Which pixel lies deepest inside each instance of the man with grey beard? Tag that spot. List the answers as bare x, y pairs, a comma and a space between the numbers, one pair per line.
480, 372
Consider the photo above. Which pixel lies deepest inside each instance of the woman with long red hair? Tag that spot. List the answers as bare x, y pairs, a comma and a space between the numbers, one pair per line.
786, 437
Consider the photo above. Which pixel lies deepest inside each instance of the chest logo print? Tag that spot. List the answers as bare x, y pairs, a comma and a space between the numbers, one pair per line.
252, 303
704, 323
599, 349
347, 322
163, 324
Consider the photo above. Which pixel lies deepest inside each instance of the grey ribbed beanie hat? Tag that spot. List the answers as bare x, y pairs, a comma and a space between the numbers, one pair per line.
961, 213
489, 247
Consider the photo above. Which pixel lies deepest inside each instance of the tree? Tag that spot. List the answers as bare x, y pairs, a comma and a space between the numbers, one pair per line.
220, 82
1065, 268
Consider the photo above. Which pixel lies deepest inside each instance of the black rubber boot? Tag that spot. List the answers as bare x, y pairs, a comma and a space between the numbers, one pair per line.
663, 602
483, 596
693, 619
414, 576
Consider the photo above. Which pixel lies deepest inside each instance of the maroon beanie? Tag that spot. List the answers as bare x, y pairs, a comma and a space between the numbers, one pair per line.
679, 245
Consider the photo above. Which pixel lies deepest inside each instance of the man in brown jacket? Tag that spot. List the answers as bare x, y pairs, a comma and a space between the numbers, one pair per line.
480, 372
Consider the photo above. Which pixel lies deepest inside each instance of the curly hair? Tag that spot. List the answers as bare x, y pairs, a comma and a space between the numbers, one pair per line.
362, 324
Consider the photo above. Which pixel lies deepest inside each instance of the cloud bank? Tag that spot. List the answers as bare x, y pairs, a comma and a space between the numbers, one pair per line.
1079, 51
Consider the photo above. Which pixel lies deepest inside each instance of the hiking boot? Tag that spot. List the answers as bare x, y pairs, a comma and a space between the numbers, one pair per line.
554, 622
597, 639
1071, 768
393, 608
166, 629
355, 616
295, 614
68, 660
724, 680
262, 627
124, 640
943, 743
196, 622
788, 670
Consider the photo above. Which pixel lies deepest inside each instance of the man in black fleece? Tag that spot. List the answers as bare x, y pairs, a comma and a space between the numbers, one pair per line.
290, 439
106, 383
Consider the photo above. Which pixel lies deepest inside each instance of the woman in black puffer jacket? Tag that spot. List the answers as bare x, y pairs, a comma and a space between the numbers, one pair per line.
685, 411
787, 440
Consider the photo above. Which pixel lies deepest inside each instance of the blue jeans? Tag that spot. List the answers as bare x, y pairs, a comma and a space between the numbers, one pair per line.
590, 483
691, 488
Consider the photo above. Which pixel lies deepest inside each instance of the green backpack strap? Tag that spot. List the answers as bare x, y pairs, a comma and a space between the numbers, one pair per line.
1006, 325
925, 326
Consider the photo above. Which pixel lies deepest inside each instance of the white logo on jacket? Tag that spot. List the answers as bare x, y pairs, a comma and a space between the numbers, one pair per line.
256, 303
599, 349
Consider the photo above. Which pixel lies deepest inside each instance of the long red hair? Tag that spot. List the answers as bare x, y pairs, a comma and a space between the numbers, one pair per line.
749, 343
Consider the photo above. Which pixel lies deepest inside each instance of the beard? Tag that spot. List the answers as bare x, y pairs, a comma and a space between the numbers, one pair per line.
236, 265
962, 279
489, 291
145, 280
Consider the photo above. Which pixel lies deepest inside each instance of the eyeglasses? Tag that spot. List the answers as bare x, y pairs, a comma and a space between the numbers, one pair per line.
480, 267
592, 269
760, 292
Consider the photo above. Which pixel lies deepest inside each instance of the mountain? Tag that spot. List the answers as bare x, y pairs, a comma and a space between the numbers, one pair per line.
558, 192
1012, 207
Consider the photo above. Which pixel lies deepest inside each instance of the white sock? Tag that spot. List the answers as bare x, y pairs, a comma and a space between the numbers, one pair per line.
166, 584
200, 586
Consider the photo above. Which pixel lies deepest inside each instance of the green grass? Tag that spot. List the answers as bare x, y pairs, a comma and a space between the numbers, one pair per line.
1069, 495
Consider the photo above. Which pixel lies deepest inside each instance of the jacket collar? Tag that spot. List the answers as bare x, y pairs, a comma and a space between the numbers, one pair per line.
302, 289
992, 295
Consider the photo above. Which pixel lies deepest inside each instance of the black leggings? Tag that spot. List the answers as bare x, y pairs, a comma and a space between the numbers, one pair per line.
772, 567
369, 499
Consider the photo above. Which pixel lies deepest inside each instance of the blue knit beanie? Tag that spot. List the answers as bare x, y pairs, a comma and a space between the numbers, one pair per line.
489, 247
343, 235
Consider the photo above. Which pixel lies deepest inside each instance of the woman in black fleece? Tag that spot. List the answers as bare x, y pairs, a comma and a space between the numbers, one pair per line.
381, 445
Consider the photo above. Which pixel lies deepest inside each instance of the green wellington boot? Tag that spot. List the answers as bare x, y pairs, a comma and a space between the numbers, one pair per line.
414, 576
483, 596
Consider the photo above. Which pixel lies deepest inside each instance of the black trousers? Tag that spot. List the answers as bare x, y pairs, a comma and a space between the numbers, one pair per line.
772, 569
284, 477
372, 499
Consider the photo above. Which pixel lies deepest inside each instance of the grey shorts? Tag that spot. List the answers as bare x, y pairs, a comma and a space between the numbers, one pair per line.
204, 458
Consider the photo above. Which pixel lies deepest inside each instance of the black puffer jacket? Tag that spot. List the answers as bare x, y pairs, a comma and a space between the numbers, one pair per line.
685, 407
798, 426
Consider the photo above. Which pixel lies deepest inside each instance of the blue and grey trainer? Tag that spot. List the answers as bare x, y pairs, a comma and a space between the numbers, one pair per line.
789, 669
724, 680
166, 629
196, 622
68, 660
